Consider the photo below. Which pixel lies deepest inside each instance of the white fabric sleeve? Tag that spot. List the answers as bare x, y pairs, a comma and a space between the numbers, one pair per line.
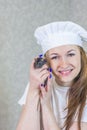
22, 101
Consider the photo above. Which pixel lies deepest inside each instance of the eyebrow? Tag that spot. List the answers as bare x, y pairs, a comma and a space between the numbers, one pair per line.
67, 52
54, 54
71, 50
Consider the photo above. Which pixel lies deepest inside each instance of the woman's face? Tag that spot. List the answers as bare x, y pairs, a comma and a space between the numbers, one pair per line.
65, 62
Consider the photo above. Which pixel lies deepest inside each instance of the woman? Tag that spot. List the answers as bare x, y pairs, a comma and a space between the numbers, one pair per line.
62, 103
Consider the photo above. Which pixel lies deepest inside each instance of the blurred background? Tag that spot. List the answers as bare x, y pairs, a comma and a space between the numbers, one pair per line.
18, 20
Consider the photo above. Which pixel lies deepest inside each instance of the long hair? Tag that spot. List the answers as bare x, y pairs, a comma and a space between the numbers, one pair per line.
77, 94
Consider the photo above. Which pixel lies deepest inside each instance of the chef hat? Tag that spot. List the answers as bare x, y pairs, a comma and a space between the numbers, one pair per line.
60, 33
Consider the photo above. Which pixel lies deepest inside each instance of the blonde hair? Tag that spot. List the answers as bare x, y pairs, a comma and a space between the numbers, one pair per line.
77, 93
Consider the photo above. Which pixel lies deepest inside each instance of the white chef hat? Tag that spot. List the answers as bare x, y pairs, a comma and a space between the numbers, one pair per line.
60, 33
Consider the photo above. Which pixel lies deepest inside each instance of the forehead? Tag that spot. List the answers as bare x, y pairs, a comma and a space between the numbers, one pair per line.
64, 49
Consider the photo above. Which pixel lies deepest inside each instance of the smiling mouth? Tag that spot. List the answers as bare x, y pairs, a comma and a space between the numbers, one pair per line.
65, 72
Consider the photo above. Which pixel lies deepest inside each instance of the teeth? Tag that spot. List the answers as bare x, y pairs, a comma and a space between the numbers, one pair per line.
65, 71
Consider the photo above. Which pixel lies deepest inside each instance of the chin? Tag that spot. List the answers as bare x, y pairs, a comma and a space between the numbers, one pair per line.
67, 79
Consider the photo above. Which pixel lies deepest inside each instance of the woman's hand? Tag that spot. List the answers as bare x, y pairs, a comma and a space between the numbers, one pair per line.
46, 108
38, 75
48, 118
30, 118
46, 92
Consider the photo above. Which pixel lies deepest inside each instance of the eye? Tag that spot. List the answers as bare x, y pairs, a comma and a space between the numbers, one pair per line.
54, 57
71, 54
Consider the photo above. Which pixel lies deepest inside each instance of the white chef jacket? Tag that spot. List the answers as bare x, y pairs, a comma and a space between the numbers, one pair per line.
59, 103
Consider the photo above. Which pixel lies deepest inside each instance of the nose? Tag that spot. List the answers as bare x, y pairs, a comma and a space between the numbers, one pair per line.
63, 62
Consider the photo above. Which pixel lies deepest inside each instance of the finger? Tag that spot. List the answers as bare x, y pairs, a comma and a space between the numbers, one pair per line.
44, 73
44, 79
43, 91
44, 67
49, 83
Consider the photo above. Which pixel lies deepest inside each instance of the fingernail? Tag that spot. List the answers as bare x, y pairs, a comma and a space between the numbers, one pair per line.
41, 55
42, 85
49, 69
50, 76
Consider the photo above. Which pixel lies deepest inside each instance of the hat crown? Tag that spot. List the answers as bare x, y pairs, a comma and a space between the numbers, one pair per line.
59, 32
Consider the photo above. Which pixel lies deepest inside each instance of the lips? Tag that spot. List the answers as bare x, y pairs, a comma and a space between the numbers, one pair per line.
65, 72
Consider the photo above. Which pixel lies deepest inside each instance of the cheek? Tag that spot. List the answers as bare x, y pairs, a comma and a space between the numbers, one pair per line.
78, 61
77, 64
53, 65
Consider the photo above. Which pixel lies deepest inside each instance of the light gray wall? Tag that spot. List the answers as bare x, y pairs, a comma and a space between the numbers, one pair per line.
18, 20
